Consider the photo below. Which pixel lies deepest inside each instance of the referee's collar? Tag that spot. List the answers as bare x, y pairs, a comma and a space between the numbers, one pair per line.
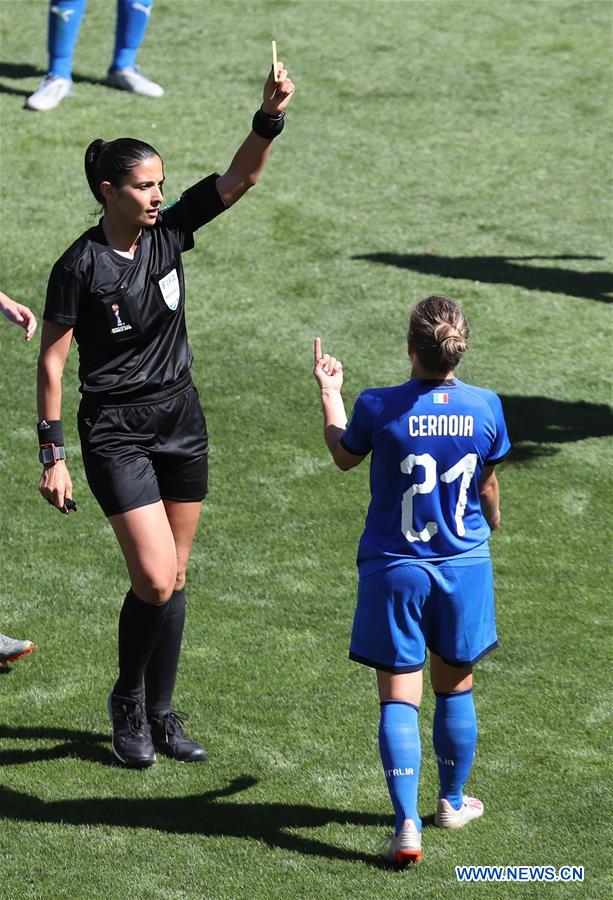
103, 237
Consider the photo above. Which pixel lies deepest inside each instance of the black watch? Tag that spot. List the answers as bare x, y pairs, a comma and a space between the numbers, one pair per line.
50, 454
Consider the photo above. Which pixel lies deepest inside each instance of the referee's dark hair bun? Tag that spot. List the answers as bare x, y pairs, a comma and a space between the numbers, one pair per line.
92, 155
113, 160
439, 332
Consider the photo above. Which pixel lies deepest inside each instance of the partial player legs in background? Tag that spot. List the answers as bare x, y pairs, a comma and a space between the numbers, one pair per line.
132, 21
12, 649
65, 18
400, 748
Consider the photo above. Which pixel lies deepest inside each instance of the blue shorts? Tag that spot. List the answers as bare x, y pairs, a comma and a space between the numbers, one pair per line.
447, 607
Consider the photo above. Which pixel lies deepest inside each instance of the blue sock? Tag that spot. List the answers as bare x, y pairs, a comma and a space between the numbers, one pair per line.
454, 737
400, 749
132, 21
64, 23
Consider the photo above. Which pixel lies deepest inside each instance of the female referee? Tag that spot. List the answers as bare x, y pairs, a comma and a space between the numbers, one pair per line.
425, 577
119, 291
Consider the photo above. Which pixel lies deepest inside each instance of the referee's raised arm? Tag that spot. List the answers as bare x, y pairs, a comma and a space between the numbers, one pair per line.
248, 163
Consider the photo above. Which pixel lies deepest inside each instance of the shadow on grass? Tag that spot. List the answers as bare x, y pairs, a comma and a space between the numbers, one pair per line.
82, 745
537, 424
16, 71
206, 814
505, 270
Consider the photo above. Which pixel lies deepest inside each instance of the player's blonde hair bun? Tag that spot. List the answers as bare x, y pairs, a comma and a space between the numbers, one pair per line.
439, 332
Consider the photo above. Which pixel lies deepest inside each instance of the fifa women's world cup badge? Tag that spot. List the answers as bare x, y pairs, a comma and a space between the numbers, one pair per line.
121, 325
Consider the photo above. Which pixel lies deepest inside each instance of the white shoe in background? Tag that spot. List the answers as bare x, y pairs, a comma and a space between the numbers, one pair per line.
132, 80
49, 93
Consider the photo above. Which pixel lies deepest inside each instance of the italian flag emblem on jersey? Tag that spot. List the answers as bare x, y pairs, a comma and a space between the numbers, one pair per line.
440, 397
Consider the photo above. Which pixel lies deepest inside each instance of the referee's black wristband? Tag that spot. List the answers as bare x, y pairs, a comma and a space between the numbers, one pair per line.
50, 432
267, 126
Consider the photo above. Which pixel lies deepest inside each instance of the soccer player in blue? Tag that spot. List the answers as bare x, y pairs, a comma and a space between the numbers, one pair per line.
425, 576
65, 18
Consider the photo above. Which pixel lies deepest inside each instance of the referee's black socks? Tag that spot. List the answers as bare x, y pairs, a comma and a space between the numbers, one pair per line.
161, 671
140, 626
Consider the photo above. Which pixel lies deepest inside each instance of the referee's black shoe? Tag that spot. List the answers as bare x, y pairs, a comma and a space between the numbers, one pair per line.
170, 739
132, 744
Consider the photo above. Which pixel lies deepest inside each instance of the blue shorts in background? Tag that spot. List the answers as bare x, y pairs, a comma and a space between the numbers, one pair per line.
447, 607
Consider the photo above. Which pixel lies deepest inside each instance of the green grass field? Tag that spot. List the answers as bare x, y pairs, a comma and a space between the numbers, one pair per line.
456, 147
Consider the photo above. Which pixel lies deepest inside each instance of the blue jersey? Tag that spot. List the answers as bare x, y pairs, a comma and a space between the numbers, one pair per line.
429, 443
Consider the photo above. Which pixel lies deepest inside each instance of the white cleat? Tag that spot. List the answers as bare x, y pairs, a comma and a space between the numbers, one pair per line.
448, 817
132, 80
51, 91
12, 649
404, 848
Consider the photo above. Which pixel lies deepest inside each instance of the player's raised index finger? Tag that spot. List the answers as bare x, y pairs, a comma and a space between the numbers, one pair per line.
317, 350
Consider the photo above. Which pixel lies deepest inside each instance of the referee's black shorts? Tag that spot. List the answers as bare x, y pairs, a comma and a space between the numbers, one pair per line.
150, 450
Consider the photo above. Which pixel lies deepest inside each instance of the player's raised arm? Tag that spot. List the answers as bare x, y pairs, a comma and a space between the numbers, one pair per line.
248, 163
328, 373
19, 314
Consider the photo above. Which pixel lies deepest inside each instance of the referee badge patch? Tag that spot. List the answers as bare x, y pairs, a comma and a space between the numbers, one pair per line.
171, 291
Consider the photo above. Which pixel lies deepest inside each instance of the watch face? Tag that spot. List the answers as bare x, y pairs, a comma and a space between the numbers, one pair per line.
51, 454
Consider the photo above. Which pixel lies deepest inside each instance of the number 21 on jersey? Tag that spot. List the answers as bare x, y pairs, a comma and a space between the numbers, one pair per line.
464, 468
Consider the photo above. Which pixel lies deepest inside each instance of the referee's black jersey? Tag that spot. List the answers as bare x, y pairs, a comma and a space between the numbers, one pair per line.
128, 315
